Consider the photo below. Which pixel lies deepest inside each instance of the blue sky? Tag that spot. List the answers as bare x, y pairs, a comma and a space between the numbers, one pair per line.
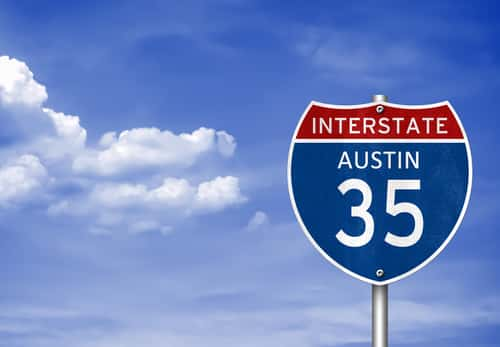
159, 239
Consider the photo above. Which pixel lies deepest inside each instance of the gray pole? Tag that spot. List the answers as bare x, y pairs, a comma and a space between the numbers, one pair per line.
380, 296
379, 316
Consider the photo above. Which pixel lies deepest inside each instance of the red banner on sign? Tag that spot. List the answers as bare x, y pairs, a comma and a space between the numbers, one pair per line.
379, 121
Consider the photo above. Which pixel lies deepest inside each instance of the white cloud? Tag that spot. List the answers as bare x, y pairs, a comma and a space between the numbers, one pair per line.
151, 147
119, 195
108, 139
61, 142
20, 178
226, 144
17, 85
218, 193
68, 127
258, 220
139, 208
69, 137
19, 88
174, 193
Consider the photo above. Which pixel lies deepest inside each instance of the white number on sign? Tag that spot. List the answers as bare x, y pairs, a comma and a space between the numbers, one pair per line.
360, 211
392, 208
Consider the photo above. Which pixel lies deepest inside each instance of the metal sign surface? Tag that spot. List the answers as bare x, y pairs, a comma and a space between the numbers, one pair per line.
379, 188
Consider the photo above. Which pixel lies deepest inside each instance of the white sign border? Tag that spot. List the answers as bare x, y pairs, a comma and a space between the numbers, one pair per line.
457, 224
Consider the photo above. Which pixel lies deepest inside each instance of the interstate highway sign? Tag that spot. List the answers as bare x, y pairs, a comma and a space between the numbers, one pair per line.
380, 188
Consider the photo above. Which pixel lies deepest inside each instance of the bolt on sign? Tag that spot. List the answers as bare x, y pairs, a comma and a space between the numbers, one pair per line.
380, 188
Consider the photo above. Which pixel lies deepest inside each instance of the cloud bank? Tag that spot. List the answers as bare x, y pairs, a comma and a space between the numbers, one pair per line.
117, 174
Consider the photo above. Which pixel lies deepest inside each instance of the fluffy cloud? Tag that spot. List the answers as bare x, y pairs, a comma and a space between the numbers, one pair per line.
151, 147
17, 85
68, 127
218, 193
173, 193
59, 141
69, 138
108, 139
20, 178
140, 208
226, 144
52, 134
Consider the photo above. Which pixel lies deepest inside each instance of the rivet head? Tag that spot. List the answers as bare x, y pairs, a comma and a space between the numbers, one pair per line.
379, 273
380, 109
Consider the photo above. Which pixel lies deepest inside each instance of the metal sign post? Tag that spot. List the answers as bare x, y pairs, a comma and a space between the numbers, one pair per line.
379, 315
380, 299
380, 303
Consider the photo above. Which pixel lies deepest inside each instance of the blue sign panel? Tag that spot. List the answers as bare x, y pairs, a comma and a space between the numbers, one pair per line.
379, 188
